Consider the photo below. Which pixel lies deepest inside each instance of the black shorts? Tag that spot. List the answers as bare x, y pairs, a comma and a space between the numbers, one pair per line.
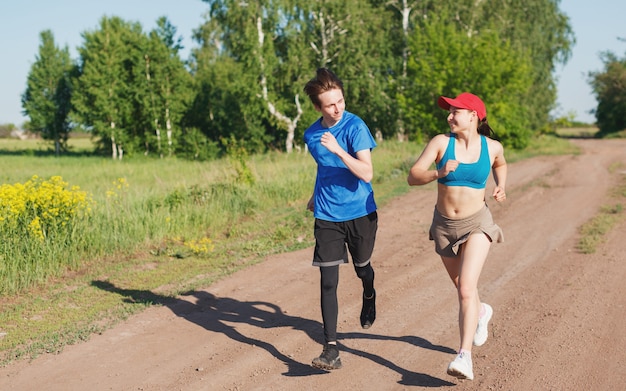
334, 240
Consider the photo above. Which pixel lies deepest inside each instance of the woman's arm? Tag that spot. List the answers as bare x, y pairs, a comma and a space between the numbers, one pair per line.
499, 170
421, 172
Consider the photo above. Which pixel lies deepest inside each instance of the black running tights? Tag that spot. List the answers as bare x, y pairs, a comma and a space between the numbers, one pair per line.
329, 279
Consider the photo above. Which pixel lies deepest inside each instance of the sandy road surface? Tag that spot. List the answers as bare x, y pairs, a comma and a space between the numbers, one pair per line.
558, 315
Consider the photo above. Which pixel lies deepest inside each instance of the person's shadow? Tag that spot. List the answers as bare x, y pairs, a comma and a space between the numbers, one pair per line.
212, 313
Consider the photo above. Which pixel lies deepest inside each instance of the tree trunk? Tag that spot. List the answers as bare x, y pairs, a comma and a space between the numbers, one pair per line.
168, 127
290, 123
113, 145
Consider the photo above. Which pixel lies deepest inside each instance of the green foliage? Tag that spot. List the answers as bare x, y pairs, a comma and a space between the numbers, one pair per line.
225, 104
39, 221
353, 41
196, 146
47, 97
103, 90
448, 61
542, 33
609, 87
134, 94
237, 153
566, 121
132, 90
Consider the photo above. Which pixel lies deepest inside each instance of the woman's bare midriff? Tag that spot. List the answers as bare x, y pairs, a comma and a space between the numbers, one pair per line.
459, 202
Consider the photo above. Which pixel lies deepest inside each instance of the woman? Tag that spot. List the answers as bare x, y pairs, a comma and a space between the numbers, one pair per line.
462, 226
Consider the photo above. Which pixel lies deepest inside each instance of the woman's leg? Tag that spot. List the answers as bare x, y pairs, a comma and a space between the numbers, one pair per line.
464, 270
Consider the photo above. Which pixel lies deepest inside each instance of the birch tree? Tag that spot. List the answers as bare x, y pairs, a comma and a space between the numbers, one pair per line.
103, 98
168, 84
351, 38
275, 63
289, 123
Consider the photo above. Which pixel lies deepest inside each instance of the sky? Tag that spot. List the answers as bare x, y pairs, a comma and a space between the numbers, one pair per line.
596, 24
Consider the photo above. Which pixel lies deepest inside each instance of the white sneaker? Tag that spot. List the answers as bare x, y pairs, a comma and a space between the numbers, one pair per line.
482, 332
461, 367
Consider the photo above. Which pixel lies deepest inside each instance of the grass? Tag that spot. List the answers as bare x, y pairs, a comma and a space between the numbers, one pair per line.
593, 231
577, 132
176, 227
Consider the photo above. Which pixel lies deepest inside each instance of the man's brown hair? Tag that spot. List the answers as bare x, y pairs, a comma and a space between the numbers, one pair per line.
324, 80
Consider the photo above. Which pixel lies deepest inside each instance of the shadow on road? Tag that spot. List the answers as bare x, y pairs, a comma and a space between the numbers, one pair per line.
214, 313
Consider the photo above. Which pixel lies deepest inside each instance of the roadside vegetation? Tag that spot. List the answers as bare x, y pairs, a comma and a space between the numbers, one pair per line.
158, 228
593, 232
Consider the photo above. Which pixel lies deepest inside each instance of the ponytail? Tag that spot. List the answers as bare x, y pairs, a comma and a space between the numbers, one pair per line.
485, 129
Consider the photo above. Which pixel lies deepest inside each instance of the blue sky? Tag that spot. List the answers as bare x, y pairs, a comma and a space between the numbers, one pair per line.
597, 25
23, 21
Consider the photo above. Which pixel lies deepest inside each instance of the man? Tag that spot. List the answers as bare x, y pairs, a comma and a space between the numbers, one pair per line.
343, 204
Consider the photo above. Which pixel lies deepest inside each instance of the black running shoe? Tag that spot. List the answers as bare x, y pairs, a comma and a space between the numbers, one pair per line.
329, 359
368, 312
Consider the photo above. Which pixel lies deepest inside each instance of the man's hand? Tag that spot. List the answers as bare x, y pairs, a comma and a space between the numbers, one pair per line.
330, 142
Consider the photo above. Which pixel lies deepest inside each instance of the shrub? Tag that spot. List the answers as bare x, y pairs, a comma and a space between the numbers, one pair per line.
39, 219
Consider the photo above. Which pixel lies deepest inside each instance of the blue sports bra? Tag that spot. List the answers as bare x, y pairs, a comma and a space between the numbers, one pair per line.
472, 175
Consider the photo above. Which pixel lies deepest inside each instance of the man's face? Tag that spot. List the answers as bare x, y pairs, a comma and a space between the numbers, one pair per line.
332, 106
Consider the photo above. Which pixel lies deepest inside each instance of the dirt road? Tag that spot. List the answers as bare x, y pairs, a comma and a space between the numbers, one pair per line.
558, 315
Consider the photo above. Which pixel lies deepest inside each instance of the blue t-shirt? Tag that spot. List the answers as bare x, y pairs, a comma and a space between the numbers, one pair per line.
339, 195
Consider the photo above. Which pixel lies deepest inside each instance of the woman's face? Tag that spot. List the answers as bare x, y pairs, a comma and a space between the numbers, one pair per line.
461, 119
332, 106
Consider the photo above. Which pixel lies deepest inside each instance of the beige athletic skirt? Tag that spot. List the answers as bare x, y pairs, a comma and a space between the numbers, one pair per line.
449, 234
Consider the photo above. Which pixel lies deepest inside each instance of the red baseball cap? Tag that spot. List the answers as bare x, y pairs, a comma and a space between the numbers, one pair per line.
466, 101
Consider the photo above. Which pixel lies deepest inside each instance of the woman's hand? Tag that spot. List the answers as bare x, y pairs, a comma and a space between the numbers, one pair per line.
498, 194
450, 166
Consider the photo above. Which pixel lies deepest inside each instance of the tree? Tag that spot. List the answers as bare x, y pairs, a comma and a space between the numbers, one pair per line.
226, 102
355, 37
103, 98
263, 38
167, 85
244, 82
449, 61
404, 9
542, 32
609, 87
132, 88
47, 99
277, 45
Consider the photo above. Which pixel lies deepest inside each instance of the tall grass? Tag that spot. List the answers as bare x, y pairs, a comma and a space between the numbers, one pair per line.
39, 223
169, 206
